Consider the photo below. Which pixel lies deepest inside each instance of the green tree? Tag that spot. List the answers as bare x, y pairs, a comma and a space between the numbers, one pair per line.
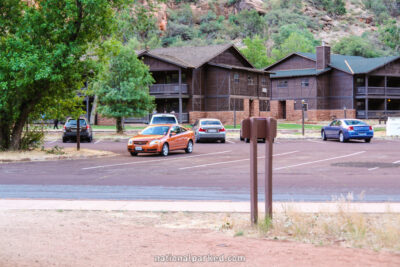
42, 54
123, 87
389, 33
294, 43
256, 52
356, 46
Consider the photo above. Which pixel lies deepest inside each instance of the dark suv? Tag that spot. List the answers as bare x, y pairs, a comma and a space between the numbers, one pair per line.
69, 131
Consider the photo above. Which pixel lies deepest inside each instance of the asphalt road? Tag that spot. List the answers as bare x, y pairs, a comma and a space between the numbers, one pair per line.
304, 170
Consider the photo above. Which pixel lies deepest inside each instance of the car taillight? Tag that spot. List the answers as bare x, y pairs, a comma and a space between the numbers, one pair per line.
201, 130
222, 130
65, 127
370, 127
351, 128
87, 127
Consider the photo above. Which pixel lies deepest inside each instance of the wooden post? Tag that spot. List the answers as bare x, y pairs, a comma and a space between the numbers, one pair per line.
271, 125
366, 96
78, 135
253, 171
385, 105
180, 95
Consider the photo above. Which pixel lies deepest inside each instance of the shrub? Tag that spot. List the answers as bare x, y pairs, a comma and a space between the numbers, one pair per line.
32, 138
333, 7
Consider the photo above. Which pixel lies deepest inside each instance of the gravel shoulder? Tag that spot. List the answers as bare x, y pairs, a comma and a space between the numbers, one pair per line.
93, 238
59, 153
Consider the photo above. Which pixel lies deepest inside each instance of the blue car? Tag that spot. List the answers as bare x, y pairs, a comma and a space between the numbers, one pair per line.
346, 129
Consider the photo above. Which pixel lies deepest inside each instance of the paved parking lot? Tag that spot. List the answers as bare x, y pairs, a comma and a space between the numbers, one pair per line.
310, 170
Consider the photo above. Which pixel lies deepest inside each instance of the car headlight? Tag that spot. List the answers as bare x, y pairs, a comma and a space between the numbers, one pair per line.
154, 142
130, 142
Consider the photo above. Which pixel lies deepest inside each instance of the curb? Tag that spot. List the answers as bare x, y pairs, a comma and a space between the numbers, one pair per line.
196, 206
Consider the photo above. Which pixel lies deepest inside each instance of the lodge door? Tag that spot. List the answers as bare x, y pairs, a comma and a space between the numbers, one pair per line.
282, 107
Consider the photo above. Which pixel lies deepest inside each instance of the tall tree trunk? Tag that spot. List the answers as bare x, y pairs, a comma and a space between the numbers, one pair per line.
93, 112
120, 130
16, 135
4, 136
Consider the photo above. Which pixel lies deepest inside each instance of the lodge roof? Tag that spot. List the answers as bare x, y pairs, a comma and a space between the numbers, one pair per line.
355, 64
349, 64
189, 56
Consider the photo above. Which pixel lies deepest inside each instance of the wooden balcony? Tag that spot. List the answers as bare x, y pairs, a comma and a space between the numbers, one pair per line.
378, 91
376, 114
168, 89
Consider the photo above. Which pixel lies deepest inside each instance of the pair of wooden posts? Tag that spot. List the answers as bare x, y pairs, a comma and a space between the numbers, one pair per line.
254, 129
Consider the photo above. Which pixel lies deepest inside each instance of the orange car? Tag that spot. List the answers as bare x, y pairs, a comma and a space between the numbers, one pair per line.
162, 138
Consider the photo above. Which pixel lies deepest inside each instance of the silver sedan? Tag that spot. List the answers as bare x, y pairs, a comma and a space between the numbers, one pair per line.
210, 130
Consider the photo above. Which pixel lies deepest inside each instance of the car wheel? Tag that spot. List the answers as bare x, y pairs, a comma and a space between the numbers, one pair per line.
241, 138
222, 140
367, 140
189, 148
323, 136
247, 140
90, 139
341, 137
197, 140
64, 140
165, 150
133, 154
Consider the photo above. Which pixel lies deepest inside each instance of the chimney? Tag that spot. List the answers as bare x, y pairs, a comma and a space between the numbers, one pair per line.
323, 56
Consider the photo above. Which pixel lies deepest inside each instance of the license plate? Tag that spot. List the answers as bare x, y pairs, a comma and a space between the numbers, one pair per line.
212, 131
362, 133
138, 148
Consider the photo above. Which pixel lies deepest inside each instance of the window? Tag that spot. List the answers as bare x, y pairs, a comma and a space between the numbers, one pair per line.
360, 81
305, 82
236, 78
264, 105
263, 81
250, 80
282, 84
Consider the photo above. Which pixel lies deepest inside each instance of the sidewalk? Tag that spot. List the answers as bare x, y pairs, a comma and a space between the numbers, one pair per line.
195, 206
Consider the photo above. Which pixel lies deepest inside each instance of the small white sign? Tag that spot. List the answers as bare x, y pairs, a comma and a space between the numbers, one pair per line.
393, 126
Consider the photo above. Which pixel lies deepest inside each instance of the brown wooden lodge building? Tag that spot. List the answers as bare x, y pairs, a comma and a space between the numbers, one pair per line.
219, 82
366, 88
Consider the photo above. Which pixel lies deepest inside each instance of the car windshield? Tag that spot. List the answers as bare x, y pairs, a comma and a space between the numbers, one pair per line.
163, 120
210, 123
355, 122
156, 130
82, 122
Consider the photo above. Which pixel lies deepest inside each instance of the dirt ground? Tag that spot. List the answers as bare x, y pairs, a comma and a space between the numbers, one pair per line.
90, 238
54, 153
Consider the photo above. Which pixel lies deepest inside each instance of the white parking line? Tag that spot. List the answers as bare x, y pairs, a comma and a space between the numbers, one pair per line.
230, 142
396, 162
317, 161
232, 161
52, 142
319, 142
371, 169
156, 160
98, 141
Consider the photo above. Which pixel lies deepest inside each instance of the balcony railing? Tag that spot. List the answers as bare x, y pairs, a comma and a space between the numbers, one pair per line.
168, 89
376, 114
378, 91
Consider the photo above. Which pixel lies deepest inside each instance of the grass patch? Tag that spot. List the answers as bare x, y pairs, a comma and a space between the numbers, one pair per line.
295, 126
112, 127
